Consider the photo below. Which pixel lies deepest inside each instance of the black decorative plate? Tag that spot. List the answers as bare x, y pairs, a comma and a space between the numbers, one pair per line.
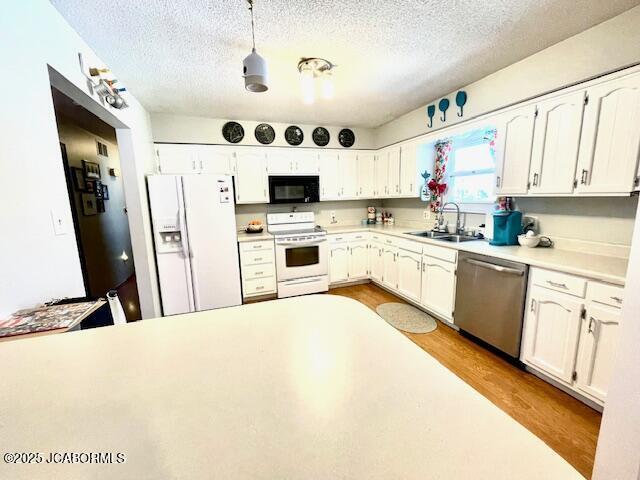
321, 136
293, 135
232, 132
346, 137
265, 134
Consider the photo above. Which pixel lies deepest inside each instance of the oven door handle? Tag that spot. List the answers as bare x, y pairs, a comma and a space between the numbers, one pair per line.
301, 244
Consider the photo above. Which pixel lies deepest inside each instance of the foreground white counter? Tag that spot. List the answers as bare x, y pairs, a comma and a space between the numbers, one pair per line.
303, 388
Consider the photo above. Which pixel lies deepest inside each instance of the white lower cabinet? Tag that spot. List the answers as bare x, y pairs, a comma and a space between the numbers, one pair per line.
409, 274
390, 267
258, 268
570, 332
358, 260
438, 291
338, 263
598, 341
553, 324
376, 261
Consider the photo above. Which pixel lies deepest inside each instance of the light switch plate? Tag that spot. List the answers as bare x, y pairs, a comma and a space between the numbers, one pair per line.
426, 214
59, 223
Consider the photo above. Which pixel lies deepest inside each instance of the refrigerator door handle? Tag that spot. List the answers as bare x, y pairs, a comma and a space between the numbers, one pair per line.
186, 250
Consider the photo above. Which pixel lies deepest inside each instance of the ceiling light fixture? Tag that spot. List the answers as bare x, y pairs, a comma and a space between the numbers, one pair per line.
254, 66
316, 68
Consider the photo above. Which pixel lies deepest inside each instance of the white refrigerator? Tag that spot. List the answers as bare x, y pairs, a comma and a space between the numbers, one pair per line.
194, 230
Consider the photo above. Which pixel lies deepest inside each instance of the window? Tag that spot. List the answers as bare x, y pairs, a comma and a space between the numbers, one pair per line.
471, 168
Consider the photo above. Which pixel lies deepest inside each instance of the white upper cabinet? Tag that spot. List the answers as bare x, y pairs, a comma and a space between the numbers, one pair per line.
409, 175
515, 137
598, 342
381, 174
550, 339
348, 175
555, 144
366, 178
215, 159
610, 141
330, 183
250, 171
178, 159
292, 161
393, 169
409, 274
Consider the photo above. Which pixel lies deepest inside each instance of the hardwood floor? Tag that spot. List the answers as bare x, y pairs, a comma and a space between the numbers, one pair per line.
568, 426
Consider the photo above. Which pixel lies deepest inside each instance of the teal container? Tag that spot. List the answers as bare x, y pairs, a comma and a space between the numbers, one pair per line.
506, 228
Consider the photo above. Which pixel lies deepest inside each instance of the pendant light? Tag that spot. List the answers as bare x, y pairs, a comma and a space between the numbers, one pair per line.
254, 66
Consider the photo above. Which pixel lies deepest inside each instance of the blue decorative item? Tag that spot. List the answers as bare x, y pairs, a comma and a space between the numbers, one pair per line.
443, 106
461, 100
425, 193
431, 111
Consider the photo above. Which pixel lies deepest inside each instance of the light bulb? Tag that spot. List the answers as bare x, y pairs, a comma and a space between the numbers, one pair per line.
307, 85
124, 257
328, 89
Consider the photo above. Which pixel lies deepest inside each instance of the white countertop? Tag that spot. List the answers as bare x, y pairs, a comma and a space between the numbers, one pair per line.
598, 267
303, 388
254, 237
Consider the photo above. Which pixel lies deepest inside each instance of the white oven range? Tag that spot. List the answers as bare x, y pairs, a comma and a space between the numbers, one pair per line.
301, 254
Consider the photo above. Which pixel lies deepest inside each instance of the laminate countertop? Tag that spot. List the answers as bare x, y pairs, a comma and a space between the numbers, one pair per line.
254, 237
598, 267
301, 388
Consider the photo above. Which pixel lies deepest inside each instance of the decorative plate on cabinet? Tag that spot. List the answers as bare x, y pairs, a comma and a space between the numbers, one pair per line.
293, 135
346, 137
233, 132
265, 134
321, 136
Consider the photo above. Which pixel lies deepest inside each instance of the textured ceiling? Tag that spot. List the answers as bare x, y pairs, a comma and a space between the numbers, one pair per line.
185, 56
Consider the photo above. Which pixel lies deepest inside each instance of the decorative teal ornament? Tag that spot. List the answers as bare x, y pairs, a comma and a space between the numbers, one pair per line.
461, 100
425, 194
431, 111
443, 106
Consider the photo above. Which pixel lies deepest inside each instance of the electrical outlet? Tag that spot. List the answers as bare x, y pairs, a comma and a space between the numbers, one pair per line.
426, 214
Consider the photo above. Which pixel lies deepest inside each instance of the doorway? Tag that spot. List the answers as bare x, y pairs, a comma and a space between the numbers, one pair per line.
96, 196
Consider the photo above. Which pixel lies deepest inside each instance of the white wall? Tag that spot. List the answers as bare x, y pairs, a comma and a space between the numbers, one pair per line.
185, 129
618, 451
608, 46
346, 212
35, 264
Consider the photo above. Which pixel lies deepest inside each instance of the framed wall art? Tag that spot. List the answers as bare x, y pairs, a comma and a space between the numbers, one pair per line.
91, 170
89, 206
77, 178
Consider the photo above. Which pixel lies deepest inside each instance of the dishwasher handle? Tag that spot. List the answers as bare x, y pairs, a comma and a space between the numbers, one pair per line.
497, 268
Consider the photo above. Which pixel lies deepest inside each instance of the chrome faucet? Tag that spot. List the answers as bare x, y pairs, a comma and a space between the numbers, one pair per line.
458, 226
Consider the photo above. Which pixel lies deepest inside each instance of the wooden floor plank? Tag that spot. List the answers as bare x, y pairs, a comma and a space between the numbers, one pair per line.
568, 426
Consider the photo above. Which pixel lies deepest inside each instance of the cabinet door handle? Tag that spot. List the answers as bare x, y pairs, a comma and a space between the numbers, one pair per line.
583, 177
591, 324
533, 305
616, 299
558, 285
535, 179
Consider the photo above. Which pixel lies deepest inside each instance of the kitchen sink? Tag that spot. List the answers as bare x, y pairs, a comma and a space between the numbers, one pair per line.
429, 234
457, 238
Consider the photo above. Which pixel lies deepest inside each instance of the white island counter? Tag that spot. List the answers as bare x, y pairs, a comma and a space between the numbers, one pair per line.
303, 388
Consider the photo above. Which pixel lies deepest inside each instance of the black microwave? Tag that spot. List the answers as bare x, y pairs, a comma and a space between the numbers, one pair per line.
294, 189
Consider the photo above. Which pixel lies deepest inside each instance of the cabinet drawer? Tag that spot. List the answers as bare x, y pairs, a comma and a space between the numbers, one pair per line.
256, 246
560, 282
604, 293
347, 237
250, 272
259, 286
409, 246
257, 257
446, 254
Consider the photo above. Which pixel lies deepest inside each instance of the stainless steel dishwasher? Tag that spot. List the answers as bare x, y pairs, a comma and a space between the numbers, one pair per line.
490, 296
